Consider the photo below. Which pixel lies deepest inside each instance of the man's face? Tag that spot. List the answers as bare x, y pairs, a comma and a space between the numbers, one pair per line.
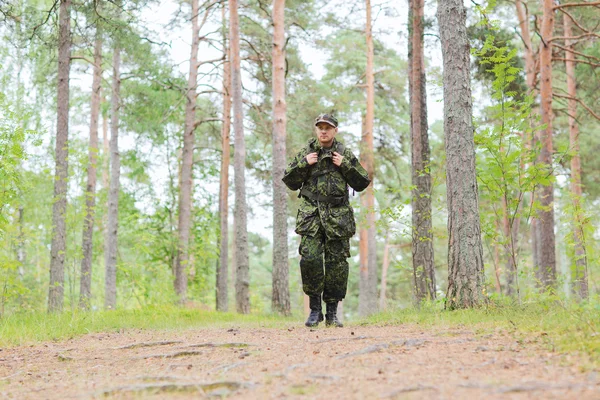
325, 133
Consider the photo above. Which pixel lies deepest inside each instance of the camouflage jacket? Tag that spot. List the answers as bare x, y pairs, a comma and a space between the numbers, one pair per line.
326, 179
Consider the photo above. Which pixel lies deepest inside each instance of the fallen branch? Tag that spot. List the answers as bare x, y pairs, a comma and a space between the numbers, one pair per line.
227, 367
336, 339
171, 355
226, 345
367, 350
62, 357
417, 388
157, 388
147, 344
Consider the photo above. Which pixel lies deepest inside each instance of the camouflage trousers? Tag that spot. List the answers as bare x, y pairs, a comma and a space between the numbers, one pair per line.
324, 266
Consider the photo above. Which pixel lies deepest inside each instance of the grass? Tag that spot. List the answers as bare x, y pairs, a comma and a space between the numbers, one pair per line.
556, 327
551, 324
28, 328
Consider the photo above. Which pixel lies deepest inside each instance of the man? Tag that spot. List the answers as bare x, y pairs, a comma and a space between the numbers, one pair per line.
322, 171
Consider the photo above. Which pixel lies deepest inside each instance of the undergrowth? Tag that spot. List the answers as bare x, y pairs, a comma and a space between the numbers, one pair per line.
553, 324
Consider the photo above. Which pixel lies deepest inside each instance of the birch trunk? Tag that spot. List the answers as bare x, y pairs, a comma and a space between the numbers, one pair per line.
579, 264
367, 301
242, 284
222, 268
59, 207
85, 284
281, 290
110, 252
547, 261
422, 235
186, 181
465, 252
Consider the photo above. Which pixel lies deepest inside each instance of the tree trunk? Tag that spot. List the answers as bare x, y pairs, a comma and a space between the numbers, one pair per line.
384, 271
497, 264
59, 207
465, 252
85, 288
187, 159
20, 245
110, 252
547, 266
367, 301
281, 290
242, 284
105, 150
531, 79
511, 270
222, 268
422, 235
579, 265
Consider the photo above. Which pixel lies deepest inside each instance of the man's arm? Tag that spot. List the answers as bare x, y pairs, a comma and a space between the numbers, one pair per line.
297, 172
354, 173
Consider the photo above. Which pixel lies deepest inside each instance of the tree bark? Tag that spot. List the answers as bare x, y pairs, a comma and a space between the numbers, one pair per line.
422, 235
242, 284
281, 290
465, 251
110, 251
85, 287
105, 150
579, 268
384, 271
367, 301
187, 159
531, 79
547, 265
509, 236
222, 268
59, 208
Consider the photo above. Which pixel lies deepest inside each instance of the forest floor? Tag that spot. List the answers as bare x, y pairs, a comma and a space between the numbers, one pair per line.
356, 362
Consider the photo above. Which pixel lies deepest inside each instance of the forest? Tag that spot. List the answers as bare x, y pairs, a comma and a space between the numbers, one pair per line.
143, 145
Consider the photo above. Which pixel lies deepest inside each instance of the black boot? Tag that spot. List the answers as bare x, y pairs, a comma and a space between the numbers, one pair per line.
316, 312
331, 316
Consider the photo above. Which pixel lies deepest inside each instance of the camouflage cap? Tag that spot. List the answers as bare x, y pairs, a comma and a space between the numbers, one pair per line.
328, 119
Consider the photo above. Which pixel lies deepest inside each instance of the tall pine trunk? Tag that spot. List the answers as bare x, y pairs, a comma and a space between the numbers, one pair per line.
281, 290
186, 181
465, 251
110, 250
242, 283
579, 268
422, 235
547, 256
85, 287
531, 79
222, 267
59, 208
367, 300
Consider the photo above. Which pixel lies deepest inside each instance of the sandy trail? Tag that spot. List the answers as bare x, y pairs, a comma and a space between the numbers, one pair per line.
356, 362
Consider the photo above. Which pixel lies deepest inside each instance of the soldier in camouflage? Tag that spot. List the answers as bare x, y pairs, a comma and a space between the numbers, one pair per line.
322, 172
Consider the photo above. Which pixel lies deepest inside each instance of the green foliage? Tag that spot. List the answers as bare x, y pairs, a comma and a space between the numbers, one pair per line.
13, 139
548, 322
506, 168
29, 328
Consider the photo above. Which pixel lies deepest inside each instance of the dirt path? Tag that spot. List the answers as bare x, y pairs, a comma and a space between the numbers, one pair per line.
401, 362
